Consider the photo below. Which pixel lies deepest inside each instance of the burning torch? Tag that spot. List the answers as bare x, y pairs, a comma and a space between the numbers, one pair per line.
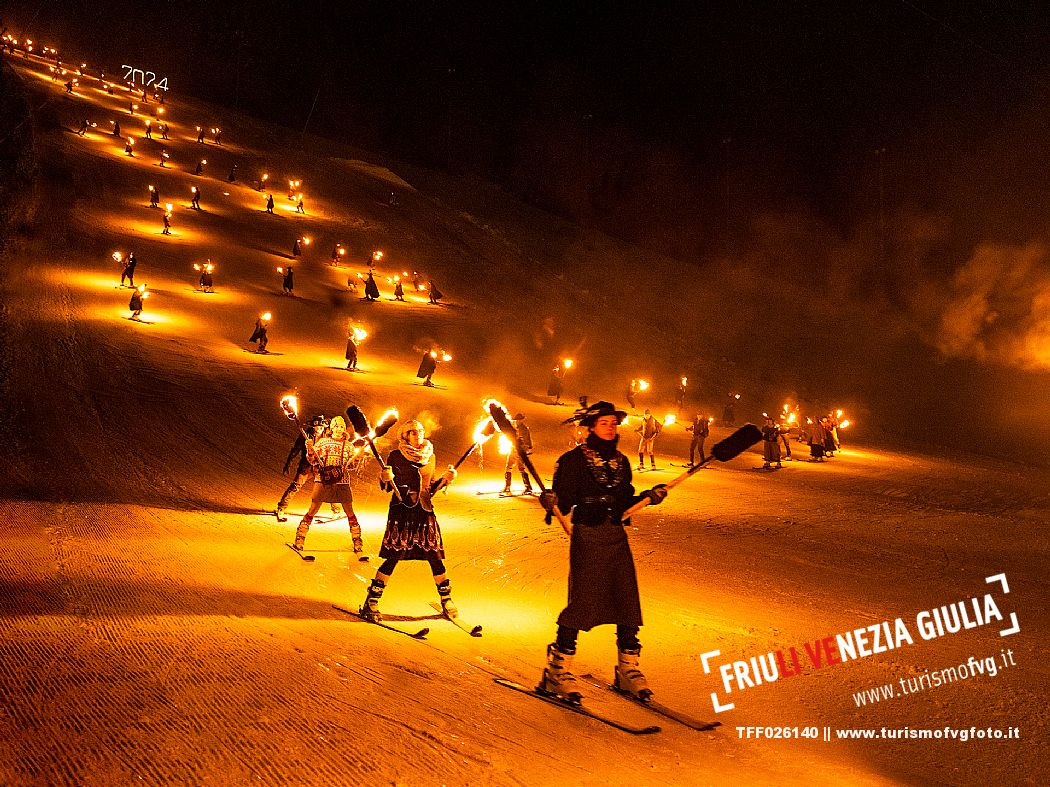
290, 405
359, 423
734, 445
503, 423
485, 428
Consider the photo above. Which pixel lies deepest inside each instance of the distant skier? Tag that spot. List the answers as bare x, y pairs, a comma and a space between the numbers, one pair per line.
164, 128
770, 443
297, 249
195, 203
154, 197
199, 169
84, 125
135, 304
200, 135
129, 270
593, 482
435, 294
259, 334
351, 353
167, 223
554, 384
129, 147
206, 281
399, 291
729, 412
649, 428
632, 391
116, 128
815, 438
149, 130
427, 367
269, 204
412, 529
330, 456
233, 175
288, 283
514, 458
701, 429
371, 288
299, 208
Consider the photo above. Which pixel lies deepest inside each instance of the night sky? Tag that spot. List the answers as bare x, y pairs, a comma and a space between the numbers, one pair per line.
646, 120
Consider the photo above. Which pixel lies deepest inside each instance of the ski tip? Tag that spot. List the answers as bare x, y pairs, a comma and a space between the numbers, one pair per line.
476, 631
420, 634
651, 729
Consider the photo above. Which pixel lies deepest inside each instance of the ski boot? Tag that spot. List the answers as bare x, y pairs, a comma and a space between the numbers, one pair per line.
558, 680
445, 594
506, 487
629, 679
300, 533
527, 482
355, 535
370, 609
281, 515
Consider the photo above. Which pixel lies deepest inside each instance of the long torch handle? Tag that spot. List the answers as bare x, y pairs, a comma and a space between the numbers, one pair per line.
382, 466
669, 485
566, 525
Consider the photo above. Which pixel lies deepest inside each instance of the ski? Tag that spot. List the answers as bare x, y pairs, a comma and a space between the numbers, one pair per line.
474, 631
302, 555
656, 707
421, 634
580, 709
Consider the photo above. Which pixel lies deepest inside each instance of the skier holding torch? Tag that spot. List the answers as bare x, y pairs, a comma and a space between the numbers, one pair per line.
412, 529
593, 481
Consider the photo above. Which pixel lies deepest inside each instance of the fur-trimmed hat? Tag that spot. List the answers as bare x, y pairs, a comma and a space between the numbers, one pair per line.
588, 415
519, 417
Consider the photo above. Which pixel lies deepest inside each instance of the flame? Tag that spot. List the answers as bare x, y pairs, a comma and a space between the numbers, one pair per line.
505, 444
290, 403
265, 316
792, 417
141, 288
280, 270
483, 430
306, 241
360, 334
838, 413
643, 385
118, 256
685, 381
433, 354
567, 363
446, 357
377, 255
669, 419
168, 206
844, 424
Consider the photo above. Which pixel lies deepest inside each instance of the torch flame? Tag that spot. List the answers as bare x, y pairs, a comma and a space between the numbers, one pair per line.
265, 316
669, 419
844, 424
483, 430
567, 363
504, 444
643, 385
118, 256
290, 404
360, 334
792, 417
838, 413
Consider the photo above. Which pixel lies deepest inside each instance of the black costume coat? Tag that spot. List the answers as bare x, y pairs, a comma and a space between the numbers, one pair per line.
597, 490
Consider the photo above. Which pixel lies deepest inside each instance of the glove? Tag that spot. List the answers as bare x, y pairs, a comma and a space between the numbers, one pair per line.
656, 495
548, 500
450, 475
387, 475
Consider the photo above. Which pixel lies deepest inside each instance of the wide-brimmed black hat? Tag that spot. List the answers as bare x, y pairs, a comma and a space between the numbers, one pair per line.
588, 415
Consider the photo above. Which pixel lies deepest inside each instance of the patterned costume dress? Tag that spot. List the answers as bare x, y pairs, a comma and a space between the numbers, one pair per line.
412, 530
